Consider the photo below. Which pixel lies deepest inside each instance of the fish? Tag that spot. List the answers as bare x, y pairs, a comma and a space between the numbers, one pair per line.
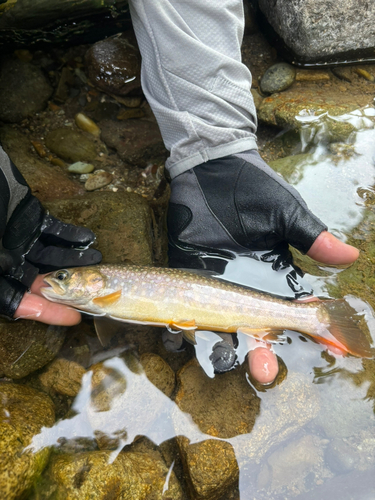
186, 302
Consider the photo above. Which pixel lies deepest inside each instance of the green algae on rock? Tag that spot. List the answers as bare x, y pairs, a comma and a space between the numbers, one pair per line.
26, 346
130, 476
24, 412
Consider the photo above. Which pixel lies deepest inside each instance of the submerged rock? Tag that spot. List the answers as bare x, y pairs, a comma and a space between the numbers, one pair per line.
136, 141
26, 346
277, 78
63, 376
24, 90
227, 406
131, 475
113, 65
80, 168
71, 145
122, 223
315, 107
45, 182
97, 180
24, 412
289, 466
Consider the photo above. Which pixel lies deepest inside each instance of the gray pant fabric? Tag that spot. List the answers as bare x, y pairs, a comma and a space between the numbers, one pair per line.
193, 78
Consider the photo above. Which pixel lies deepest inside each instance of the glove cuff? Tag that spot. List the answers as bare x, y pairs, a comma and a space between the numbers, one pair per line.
11, 293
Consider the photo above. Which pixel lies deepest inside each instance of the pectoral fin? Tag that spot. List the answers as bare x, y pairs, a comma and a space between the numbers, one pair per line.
188, 329
107, 300
270, 335
106, 329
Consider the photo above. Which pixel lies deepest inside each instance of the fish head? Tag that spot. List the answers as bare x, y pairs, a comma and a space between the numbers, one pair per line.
75, 286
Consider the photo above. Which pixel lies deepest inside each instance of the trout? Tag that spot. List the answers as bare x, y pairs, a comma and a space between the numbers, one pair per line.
185, 301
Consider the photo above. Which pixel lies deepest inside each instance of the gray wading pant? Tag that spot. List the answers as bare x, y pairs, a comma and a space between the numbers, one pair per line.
193, 78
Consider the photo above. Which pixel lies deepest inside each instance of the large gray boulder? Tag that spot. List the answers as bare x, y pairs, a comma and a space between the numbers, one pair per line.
323, 30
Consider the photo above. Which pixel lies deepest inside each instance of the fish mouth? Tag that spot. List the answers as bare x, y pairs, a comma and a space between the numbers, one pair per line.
51, 288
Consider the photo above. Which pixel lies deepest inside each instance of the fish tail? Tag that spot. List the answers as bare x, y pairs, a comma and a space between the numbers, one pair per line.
345, 334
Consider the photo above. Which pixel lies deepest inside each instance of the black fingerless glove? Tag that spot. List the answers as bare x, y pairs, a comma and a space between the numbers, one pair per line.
240, 204
31, 240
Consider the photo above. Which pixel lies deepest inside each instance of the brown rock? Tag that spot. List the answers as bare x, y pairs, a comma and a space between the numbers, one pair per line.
136, 141
227, 405
113, 65
71, 145
24, 90
97, 180
211, 467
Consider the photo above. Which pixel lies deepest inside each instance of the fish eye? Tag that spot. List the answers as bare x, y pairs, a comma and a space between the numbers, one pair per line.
62, 275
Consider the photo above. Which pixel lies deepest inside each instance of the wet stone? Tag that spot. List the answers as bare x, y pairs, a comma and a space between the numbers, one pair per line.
289, 466
227, 406
113, 65
24, 90
85, 123
278, 422
344, 73
26, 346
313, 106
277, 78
137, 476
80, 168
159, 373
136, 141
211, 467
97, 180
23, 412
71, 145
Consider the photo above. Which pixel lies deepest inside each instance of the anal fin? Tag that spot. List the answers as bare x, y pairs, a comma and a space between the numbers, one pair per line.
270, 335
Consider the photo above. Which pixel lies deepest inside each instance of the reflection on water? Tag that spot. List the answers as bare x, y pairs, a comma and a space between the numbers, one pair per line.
308, 437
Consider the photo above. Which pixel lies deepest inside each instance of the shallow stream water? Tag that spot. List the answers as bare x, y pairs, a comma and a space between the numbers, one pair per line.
312, 433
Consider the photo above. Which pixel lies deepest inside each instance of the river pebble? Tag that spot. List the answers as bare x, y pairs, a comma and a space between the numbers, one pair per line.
97, 180
277, 78
81, 168
85, 123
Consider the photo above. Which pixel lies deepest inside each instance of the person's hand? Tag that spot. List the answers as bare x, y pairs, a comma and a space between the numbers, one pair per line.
35, 307
33, 242
239, 204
